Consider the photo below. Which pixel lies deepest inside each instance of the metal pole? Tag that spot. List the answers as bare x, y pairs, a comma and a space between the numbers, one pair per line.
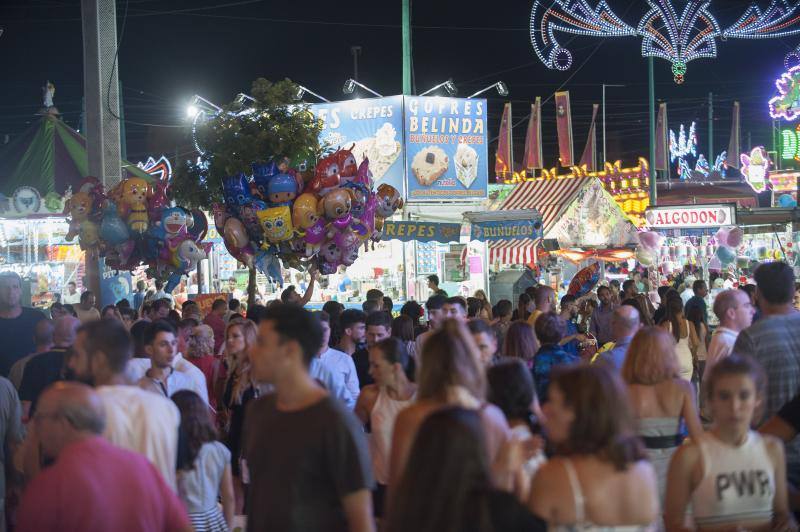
653, 172
604, 123
356, 51
604, 118
711, 128
406, 47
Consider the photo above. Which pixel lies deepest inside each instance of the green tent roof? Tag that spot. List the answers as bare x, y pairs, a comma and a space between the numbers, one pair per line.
49, 156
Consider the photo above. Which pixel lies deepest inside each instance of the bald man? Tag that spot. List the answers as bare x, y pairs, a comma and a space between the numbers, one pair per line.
93, 485
625, 322
545, 300
735, 311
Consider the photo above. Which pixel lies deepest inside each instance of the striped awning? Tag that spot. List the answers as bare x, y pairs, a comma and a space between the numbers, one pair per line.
550, 197
513, 251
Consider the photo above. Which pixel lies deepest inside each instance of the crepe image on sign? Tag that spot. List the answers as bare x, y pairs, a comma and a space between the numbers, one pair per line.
429, 164
382, 150
466, 162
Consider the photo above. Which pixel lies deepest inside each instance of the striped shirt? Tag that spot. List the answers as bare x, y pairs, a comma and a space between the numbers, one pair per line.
774, 341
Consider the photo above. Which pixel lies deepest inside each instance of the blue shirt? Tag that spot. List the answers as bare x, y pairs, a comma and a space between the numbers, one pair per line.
332, 380
615, 356
571, 347
547, 358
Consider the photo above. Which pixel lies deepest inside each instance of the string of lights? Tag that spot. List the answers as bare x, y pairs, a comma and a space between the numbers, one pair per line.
665, 34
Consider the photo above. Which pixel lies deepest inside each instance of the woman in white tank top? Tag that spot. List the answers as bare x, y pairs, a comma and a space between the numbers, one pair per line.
676, 324
378, 405
732, 477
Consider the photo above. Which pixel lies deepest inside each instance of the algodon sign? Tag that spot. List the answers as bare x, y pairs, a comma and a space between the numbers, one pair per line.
694, 216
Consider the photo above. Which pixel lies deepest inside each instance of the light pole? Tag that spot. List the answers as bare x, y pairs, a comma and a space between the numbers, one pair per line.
604, 118
355, 51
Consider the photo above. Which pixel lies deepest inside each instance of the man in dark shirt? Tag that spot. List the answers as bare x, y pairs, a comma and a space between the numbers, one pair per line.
306, 453
698, 300
379, 327
17, 323
46, 368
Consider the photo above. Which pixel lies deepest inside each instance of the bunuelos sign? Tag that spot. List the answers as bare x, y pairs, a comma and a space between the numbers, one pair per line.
690, 217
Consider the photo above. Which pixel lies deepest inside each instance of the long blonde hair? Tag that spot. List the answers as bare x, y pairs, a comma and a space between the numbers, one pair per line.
450, 360
240, 369
650, 358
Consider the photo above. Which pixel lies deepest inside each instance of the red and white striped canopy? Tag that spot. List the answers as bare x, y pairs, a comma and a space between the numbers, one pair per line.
548, 196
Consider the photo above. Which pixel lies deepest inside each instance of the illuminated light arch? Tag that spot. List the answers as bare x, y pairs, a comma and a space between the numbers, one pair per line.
677, 39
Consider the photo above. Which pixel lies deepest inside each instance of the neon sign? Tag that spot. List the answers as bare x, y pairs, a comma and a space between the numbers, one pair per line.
755, 168
786, 104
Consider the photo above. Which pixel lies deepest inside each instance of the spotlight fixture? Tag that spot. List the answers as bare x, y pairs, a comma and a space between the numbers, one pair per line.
200, 105
448, 86
501, 87
351, 84
301, 91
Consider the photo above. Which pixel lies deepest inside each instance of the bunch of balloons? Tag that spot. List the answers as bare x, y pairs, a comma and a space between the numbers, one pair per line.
728, 240
649, 244
281, 215
135, 223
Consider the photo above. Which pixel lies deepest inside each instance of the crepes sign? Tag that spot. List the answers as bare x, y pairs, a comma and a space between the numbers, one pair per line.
374, 126
446, 148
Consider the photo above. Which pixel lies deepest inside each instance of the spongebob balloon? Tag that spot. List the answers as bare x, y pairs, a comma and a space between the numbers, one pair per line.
277, 224
755, 168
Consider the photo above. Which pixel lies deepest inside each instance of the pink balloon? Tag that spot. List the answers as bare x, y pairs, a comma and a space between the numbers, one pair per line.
650, 240
735, 237
721, 236
714, 264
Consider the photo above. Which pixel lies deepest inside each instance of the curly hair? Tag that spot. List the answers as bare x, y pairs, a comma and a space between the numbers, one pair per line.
201, 341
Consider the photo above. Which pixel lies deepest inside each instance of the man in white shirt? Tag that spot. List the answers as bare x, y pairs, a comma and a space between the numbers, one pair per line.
161, 377
339, 363
735, 313
72, 297
160, 294
688, 292
333, 368
435, 318
136, 419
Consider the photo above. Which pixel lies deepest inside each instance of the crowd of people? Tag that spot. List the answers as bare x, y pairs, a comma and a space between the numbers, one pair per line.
622, 409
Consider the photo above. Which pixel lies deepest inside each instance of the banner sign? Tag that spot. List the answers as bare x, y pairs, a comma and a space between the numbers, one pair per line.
408, 231
205, 301
694, 216
114, 285
375, 126
507, 230
446, 148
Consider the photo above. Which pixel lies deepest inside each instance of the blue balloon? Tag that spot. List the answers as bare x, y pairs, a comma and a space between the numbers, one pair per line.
113, 229
787, 201
726, 255
236, 190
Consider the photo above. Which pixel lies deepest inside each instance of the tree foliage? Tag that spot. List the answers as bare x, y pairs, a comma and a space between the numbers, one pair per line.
273, 127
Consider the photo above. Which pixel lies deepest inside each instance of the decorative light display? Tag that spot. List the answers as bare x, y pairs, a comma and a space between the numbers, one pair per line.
790, 144
682, 147
159, 168
755, 168
665, 34
628, 186
792, 59
786, 104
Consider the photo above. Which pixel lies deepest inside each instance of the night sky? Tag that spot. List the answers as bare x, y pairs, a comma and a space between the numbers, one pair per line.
172, 49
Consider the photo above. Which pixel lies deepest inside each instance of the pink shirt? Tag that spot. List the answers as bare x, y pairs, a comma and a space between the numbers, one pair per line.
95, 486
217, 325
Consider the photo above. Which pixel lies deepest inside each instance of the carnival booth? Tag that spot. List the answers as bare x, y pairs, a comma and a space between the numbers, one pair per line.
39, 170
585, 215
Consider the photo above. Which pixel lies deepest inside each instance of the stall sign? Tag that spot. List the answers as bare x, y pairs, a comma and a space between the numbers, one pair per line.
374, 129
205, 301
446, 148
114, 285
694, 216
507, 230
407, 231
